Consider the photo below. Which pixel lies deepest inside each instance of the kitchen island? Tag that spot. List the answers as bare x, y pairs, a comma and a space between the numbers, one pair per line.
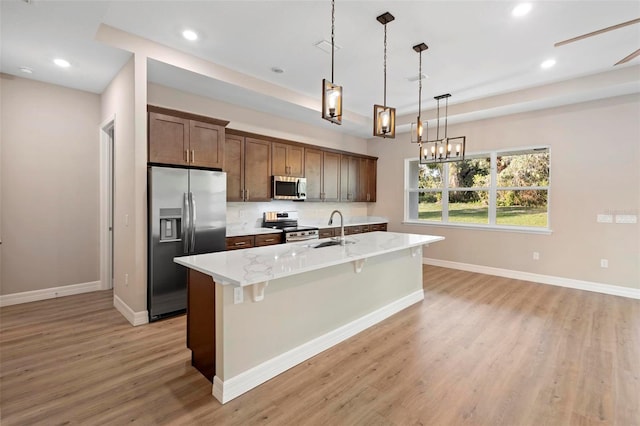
255, 313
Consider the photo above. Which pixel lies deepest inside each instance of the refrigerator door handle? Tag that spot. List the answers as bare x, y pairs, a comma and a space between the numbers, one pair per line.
186, 226
192, 211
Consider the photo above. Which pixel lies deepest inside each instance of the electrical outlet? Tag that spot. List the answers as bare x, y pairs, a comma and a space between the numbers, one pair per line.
604, 263
626, 218
536, 255
238, 295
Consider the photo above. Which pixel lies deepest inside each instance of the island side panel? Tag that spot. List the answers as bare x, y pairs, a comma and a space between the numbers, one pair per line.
201, 337
300, 308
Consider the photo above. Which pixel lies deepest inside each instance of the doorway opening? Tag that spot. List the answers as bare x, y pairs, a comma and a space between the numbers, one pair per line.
107, 188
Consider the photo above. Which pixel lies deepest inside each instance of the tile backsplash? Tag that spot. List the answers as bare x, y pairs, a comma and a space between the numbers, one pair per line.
250, 214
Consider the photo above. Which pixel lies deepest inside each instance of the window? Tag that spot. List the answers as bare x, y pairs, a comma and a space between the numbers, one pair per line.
500, 189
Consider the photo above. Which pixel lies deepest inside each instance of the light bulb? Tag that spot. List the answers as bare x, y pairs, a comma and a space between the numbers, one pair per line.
385, 118
334, 96
458, 149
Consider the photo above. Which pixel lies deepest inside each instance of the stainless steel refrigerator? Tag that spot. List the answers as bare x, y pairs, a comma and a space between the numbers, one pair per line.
187, 215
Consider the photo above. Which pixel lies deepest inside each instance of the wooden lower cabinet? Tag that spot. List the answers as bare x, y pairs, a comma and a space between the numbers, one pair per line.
267, 239
328, 232
201, 327
378, 227
248, 241
241, 242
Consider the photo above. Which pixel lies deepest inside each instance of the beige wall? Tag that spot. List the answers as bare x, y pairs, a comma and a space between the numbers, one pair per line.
50, 186
595, 168
253, 121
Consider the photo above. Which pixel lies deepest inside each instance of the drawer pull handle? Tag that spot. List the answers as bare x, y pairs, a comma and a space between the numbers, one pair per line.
268, 240
240, 243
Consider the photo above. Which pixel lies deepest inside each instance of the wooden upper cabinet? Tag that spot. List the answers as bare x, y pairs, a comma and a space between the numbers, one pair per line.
367, 180
185, 139
287, 160
322, 170
168, 140
257, 170
349, 167
234, 166
330, 176
206, 142
313, 173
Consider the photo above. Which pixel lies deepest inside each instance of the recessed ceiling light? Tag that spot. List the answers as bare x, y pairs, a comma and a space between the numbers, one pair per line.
190, 35
277, 70
26, 70
521, 9
61, 63
548, 63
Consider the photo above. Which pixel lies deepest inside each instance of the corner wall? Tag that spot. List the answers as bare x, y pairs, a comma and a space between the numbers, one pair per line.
595, 168
118, 101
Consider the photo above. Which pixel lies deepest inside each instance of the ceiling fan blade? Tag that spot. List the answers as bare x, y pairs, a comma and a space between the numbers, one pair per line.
628, 58
604, 30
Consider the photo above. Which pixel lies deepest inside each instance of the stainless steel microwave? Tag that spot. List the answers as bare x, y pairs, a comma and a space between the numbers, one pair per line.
289, 188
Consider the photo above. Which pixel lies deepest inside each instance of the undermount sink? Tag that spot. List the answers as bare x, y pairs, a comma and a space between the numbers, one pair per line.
332, 243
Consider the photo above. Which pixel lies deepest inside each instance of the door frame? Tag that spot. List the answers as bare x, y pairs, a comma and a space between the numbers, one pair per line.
107, 177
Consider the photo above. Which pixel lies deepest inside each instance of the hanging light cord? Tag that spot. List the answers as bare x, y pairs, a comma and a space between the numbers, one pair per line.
333, 24
446, 116
385, 65
420, 90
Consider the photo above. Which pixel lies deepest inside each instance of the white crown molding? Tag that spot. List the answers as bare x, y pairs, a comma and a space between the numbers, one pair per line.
135, 318
633, 293
225, 391
49, 293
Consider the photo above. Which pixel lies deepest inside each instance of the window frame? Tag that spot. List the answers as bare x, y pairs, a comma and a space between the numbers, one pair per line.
492, 189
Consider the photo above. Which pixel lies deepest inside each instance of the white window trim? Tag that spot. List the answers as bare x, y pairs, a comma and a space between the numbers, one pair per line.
493, 189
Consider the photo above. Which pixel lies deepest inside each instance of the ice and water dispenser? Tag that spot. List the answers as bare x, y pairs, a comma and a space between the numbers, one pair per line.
170, 225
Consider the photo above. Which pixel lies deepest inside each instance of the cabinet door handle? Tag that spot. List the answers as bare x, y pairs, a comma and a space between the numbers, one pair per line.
193, 156
247, 195
186, 155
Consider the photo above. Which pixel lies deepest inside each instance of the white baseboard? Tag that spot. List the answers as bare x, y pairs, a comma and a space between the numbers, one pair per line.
226, 390
135, 318
633, 293
49, 293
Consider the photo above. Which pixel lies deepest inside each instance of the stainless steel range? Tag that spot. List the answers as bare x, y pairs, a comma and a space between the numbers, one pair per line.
288, 222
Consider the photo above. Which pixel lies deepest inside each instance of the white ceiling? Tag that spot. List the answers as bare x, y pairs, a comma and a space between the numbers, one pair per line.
477, 49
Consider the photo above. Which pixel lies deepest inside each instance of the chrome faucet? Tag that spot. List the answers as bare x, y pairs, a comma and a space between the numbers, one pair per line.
341, 238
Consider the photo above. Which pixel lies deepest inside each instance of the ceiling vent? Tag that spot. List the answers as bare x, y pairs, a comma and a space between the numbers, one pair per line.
416, 77
325, 46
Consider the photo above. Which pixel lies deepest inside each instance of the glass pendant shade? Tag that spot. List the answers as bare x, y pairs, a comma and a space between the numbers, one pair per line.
384, 121
418, 130
331, 102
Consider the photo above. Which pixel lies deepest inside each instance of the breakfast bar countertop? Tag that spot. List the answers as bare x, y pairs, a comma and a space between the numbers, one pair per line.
262, 264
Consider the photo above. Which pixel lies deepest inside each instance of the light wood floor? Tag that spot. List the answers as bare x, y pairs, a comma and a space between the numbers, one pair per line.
479, 350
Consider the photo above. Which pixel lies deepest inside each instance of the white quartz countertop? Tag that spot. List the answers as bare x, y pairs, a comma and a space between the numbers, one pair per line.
348, 221
262, 264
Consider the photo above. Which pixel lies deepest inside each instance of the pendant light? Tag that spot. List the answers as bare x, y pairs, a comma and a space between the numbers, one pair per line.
418, 127
384, 117
445, 149
332, 93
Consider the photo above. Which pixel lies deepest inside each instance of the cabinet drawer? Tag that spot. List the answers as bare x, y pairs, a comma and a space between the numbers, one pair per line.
366, 228
350, 230
328, 232
378, 227
268, 239
234, 243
